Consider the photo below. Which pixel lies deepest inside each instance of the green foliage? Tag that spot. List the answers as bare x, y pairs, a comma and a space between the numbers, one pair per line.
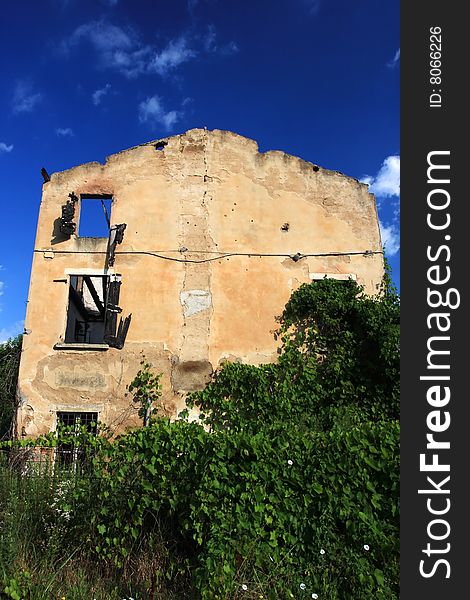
287, 487
302, 456
338, 365
10, 353
356, 338
47, 540
146, 390
18, 587
256, 510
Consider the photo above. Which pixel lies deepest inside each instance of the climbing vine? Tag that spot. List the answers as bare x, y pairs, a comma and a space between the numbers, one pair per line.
287, 485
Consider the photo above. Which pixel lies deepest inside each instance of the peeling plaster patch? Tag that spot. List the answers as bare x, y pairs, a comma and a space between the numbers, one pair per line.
191, 375
195, 301
80, 381
232, 358
28, 418
301, 271
294, 283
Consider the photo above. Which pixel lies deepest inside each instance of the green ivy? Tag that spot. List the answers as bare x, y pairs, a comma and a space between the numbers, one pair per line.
288, 484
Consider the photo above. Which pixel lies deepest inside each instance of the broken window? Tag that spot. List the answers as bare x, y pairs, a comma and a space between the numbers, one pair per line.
93, 308
75, 423
112, 337
86, 310
94, 216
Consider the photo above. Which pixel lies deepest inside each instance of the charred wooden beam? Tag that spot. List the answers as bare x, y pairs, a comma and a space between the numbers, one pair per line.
119, 339
45, 175
115, 339
112, 309
116, 235
67, 226
106, 216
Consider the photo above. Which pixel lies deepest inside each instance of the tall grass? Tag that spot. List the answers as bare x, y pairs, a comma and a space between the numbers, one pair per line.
47, 542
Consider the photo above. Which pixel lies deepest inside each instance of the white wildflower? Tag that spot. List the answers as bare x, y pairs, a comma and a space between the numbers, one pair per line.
366, 547
290, 462
244, 587
314, 596
322, 551
302, 586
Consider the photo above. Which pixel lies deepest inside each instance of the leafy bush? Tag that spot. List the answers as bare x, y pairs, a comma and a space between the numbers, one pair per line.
10, 353
287, 486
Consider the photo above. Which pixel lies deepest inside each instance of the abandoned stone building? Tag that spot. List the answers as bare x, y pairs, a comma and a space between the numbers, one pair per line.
184, 249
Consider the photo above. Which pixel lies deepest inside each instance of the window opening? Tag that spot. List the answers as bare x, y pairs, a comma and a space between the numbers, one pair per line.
86, 309
95, 214
93, 309
71, 453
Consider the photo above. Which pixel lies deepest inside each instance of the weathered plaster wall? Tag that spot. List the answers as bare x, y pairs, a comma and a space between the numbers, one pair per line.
206, 192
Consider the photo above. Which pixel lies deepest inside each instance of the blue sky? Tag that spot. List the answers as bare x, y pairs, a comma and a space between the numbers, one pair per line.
82, 79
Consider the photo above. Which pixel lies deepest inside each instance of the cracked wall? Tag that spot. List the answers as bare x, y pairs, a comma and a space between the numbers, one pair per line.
204, 263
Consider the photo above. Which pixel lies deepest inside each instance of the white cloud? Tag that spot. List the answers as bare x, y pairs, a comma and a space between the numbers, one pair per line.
151, 111
117, 48
11, 331
5, 148
395, 60
390, 238
99, 94
129, 63
386, 184
122, 49
1, 288
104, 36
24, 97
176, 53
64, 132
387, 181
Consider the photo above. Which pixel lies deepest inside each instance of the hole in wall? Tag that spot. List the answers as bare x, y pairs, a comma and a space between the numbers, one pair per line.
95, 212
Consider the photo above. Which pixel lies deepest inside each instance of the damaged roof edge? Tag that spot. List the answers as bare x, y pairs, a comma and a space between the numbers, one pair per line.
222, 132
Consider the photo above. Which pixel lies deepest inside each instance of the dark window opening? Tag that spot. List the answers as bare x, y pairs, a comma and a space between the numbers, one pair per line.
93, 310
72, 453
95, 214
86, 312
